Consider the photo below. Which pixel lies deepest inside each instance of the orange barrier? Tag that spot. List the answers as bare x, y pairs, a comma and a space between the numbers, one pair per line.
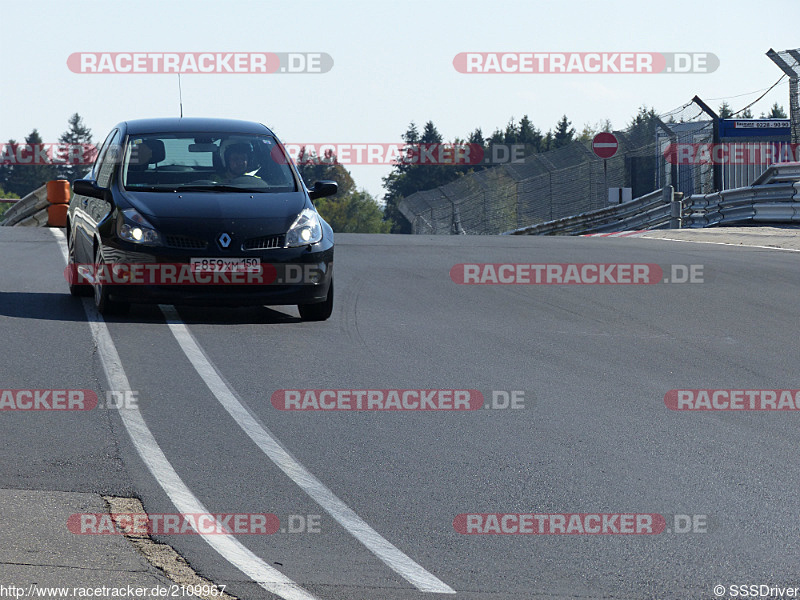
58, 191
57, 215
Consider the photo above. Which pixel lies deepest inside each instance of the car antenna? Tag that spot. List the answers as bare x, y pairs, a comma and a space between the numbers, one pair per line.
180, 94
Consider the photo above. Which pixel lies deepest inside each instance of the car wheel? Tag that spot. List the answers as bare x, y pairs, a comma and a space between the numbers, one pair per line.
104, 304
75, 289
320, 311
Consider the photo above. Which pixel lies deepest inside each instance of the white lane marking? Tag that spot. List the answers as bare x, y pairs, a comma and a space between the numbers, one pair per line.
722, 244
228, 547
347, 518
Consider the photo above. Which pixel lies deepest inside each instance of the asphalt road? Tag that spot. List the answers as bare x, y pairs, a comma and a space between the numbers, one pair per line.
594, 436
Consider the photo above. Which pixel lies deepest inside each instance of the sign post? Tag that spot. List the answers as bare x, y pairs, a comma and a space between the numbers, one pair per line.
605, 145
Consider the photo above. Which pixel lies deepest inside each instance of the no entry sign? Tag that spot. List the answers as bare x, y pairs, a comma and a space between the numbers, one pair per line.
605, 145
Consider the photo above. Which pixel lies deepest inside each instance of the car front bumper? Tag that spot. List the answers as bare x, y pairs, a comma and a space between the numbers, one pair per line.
302, 276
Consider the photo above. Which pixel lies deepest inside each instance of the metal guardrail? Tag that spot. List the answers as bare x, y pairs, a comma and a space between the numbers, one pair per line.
782, 172
657, 209
772, 202
773, 198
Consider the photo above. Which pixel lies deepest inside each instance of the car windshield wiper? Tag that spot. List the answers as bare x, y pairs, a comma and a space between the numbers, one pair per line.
221, 187
148, 188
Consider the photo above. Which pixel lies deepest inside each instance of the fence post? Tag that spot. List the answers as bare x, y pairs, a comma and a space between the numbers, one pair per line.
676, 206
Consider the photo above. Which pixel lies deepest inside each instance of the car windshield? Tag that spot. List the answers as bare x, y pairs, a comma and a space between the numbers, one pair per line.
206, 162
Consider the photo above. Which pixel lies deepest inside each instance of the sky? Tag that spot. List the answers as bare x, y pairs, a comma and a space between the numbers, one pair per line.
392, 64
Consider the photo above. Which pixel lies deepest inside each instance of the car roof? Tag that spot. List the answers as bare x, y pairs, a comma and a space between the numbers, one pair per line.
192, 124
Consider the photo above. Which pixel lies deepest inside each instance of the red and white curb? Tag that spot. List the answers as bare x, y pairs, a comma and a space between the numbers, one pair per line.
637, 233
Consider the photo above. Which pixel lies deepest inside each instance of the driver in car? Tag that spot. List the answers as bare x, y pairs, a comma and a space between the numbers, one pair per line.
237, 160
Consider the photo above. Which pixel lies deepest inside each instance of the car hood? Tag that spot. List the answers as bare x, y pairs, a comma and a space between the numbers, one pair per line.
216, 205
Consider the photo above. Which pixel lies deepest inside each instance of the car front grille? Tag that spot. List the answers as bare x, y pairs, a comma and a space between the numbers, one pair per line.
183, 241
266, 242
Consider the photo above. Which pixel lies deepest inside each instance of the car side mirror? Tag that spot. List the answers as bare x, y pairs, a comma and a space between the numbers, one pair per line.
87, 187
323, 188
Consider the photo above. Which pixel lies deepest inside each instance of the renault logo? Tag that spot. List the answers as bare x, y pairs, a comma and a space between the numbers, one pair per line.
224, 240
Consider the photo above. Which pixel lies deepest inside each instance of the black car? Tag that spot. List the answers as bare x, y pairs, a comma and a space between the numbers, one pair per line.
217, 201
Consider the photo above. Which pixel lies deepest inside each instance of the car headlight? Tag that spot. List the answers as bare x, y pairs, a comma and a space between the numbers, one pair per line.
133, 227
306, 229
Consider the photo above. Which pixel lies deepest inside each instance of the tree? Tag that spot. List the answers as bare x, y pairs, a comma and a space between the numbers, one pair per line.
78, 136
4, 206
476, 137
512, 132
7, 163
358, 212
746, 114
409, 176
25, 178
725, 111
397, 186
589, 131
642, 128
640, 160
547, 142
530, 136
314, 168
564, 134
348, 210
776, 112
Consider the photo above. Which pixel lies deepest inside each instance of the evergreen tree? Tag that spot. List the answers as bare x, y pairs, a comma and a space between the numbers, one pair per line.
511, 135
642, 128
79, 137
725, 111
6, 163
776, 112
410, 176
25, 178
397, 186
547, 142
476, 137
530, 136
563, 135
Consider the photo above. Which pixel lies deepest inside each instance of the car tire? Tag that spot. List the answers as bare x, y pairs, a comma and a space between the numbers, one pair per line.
104, 304
75, 289
320, 311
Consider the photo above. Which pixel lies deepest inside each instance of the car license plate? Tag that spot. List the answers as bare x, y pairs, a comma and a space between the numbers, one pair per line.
221, 265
